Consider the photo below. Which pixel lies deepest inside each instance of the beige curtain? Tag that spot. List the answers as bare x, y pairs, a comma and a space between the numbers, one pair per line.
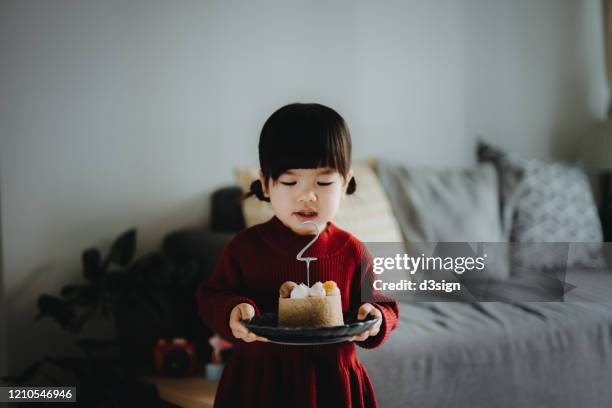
607, 14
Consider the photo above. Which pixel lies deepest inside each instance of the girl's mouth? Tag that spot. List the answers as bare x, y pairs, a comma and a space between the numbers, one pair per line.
306, 215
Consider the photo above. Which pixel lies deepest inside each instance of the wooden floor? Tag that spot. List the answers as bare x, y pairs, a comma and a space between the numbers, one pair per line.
189, 392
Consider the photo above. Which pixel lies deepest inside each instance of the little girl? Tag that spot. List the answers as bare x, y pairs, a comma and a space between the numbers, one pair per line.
305, 157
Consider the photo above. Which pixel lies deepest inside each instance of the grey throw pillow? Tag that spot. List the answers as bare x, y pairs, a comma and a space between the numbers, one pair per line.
553, 202
454, 205
510, 178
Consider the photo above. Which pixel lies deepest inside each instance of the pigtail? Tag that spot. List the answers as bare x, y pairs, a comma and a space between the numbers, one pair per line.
352, 186
256, 190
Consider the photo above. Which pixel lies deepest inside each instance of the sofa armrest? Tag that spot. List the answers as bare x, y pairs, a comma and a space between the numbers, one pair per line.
226, 210
196, 245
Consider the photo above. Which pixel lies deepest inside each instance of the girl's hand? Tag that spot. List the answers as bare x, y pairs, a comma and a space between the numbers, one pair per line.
243, 311
286, 288
364, 310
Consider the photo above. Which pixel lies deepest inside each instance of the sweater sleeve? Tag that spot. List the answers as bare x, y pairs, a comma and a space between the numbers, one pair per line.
217, 296
363, 292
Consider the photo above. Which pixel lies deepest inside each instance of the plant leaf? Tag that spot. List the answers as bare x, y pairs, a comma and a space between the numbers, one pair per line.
95, 344
60, 310
27, 374
90, 258
83, 318
123, 249
70, 291
88, 295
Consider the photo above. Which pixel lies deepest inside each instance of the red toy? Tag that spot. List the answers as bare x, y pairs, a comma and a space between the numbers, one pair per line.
175, 358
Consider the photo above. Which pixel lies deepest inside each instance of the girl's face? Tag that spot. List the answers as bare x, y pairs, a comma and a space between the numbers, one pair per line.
300, 195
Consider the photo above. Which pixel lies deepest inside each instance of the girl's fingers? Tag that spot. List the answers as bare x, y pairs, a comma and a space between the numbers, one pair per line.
364, 310
251, 337
368, 309
243, 311
286, 288
238, 327
372, 332
362, 336
240, 333
246, 311
376, 328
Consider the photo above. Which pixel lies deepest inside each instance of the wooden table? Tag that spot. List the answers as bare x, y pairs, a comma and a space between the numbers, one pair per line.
187, 392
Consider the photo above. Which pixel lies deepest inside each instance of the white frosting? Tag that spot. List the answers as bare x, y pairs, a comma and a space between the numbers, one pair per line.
334, 292
317, 290
299, 292
302, 291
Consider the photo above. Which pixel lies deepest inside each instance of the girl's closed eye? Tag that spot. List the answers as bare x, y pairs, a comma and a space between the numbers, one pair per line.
320, 183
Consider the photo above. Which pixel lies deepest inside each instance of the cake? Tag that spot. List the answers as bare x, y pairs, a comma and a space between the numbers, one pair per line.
317, 306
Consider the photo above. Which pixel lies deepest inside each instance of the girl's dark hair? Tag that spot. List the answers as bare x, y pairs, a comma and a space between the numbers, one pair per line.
303, 136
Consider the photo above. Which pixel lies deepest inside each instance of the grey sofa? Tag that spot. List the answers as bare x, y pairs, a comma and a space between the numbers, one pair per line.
486, 354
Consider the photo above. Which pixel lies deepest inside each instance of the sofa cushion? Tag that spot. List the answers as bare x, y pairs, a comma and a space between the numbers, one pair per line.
366, 214
454, 205
509, 181
554, 204
448, 205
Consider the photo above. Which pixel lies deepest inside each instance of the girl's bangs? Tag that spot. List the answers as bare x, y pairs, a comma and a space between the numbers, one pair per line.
315, 152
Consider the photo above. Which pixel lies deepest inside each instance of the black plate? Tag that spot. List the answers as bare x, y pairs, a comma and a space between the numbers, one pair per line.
266, 325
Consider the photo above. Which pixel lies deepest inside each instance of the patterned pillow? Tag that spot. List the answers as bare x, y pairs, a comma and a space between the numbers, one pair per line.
366, 214
555, 205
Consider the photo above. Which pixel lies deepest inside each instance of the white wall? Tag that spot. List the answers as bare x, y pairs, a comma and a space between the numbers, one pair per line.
536, 74
2, 303
129, 113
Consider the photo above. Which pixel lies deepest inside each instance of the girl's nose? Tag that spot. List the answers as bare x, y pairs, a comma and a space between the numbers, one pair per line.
307, 195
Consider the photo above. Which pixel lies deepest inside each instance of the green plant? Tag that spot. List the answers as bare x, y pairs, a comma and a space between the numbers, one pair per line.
102, 378
77, 303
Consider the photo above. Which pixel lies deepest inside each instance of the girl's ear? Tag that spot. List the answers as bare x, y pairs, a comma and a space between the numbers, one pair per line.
264, 186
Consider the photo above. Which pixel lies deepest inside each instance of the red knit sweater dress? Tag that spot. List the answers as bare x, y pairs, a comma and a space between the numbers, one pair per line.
262, 374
